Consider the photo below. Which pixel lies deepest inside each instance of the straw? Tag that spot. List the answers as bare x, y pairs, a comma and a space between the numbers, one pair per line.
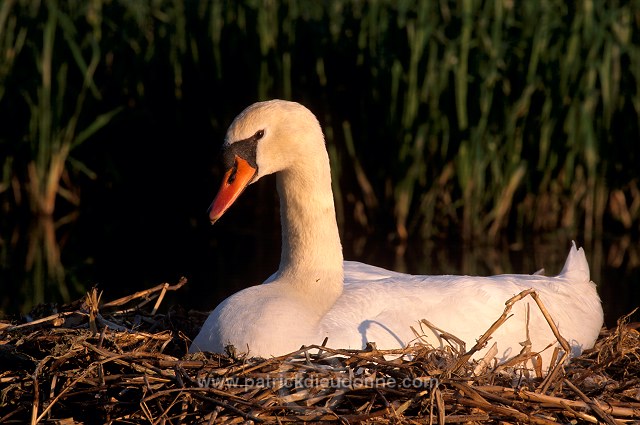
56, 368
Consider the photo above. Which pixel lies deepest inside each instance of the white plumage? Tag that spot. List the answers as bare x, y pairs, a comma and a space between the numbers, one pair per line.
314, 294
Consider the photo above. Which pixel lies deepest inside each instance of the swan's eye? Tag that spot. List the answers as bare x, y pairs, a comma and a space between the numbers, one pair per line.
258, 134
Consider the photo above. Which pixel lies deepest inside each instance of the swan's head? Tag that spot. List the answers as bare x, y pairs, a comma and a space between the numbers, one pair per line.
265, 138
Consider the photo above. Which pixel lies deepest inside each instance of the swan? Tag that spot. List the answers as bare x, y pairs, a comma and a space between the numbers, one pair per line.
315, 294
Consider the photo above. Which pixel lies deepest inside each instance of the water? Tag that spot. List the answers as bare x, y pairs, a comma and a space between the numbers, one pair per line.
129, 249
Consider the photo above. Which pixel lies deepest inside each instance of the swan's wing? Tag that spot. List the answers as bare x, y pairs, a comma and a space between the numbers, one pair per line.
360, 272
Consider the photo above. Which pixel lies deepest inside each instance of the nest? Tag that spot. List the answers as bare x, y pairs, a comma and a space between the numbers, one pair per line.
124, 362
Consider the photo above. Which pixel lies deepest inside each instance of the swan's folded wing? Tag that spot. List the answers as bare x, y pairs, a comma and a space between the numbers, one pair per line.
360, 272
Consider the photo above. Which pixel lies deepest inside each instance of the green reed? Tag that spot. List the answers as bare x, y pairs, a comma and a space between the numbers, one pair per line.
533, 127
45, 36
12, 40
466, 116
54, 127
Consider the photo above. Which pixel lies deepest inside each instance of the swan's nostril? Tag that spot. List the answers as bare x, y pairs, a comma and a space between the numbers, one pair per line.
232, 175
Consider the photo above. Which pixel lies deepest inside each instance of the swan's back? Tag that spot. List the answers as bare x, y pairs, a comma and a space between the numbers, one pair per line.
380, 306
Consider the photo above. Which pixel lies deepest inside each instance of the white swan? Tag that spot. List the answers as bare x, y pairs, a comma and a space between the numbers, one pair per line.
314, 294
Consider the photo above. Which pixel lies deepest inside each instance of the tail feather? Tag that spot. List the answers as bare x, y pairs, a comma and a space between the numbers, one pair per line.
576, 267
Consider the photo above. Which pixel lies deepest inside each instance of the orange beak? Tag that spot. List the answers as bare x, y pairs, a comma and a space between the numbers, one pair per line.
236, 179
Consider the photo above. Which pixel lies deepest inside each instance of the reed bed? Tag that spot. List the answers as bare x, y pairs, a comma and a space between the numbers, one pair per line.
125, 362
485, 116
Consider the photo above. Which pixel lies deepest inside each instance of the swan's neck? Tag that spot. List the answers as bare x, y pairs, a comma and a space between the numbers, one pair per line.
311, 258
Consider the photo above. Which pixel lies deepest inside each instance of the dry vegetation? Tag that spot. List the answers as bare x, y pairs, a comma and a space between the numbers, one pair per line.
124, 362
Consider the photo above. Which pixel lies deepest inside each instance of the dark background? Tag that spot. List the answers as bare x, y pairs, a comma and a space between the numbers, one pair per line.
179, 71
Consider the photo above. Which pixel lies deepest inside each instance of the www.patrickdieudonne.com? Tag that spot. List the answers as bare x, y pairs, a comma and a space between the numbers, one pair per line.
305, 381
